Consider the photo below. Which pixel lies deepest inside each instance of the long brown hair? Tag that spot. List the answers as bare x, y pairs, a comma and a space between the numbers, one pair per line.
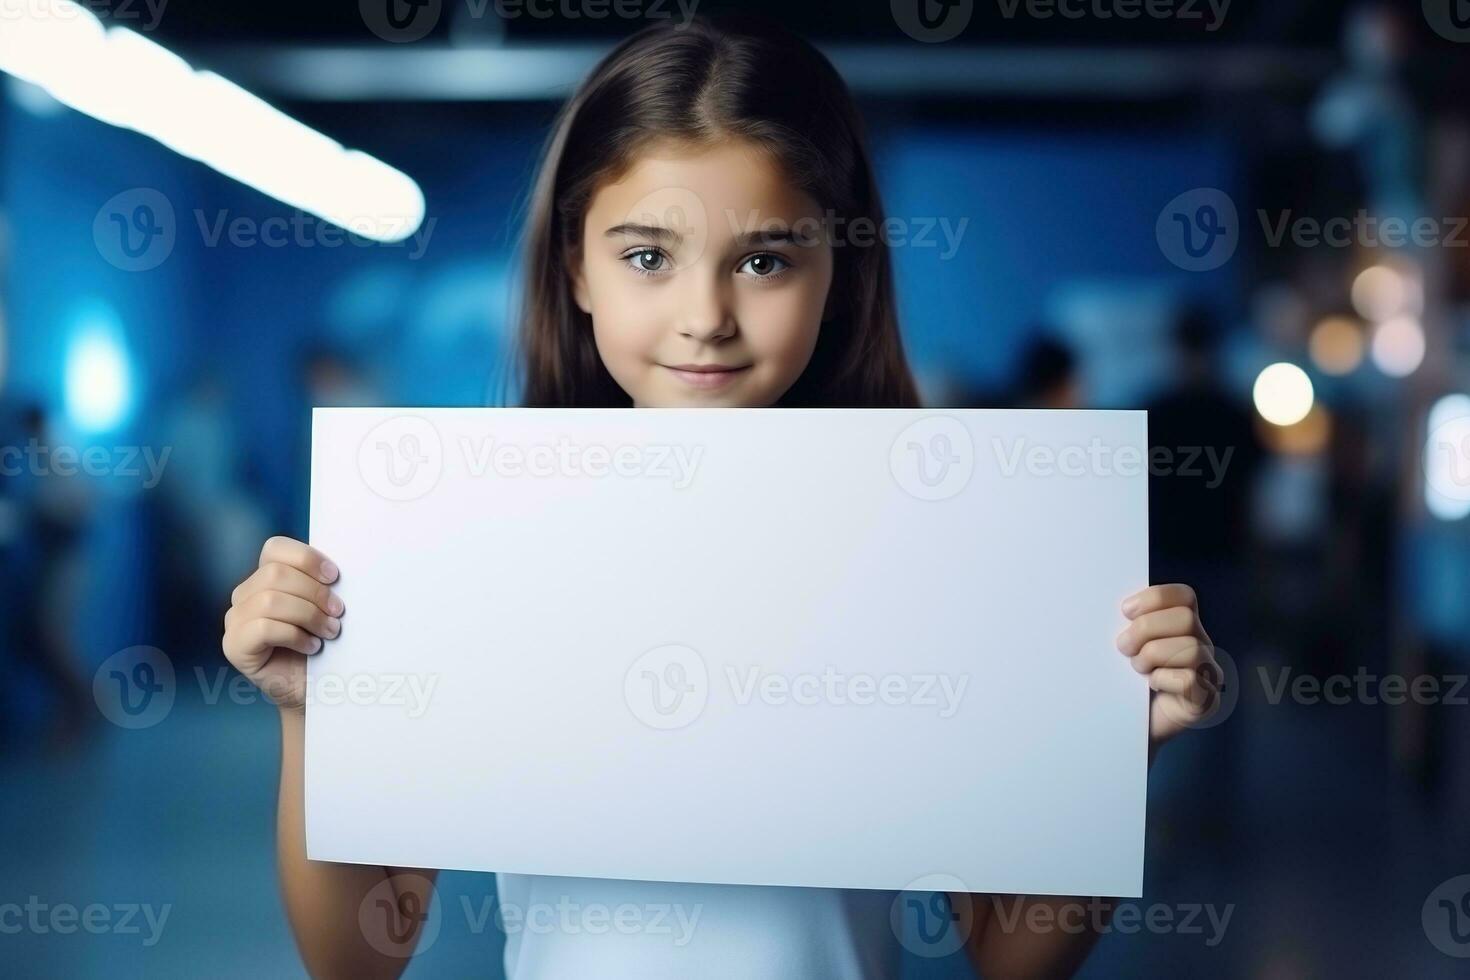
701, 83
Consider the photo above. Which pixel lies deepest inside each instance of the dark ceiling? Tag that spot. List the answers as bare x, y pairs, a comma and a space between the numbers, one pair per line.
1298, 23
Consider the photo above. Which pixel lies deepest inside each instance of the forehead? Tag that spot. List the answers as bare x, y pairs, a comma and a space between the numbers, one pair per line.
729, 177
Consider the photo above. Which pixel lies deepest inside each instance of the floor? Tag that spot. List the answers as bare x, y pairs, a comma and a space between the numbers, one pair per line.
1288, 818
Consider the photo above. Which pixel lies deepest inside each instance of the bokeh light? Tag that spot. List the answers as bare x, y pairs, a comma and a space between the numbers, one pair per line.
1398, 346
1337, 345
1447, 458
1381, 292
1283, 394
98, 379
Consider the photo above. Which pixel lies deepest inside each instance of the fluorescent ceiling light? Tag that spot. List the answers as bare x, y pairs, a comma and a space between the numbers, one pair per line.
122, 78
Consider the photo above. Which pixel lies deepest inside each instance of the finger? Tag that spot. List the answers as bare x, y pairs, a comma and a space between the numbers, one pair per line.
1176, 621
279, 577
1192, 686
286, 608
1171, 651
1157, 597
250, 646
289, 551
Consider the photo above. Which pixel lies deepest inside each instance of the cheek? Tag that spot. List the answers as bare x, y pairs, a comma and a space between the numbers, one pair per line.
782, 326
620, 322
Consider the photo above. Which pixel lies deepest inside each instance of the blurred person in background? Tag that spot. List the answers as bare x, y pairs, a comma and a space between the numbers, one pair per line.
1204, 456
1203, 442
210, 518
1048, 375
45, 513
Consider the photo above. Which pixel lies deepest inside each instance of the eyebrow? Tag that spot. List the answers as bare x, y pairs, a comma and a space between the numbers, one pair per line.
658, 233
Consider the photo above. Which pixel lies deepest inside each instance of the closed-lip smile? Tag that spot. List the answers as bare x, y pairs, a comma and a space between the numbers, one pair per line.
705, 375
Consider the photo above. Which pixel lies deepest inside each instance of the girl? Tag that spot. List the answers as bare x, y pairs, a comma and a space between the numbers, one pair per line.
682, 251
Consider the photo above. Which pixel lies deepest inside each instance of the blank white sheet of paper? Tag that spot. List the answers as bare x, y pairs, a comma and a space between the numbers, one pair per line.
829, 648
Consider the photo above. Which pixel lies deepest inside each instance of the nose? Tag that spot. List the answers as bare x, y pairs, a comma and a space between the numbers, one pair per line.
706, 315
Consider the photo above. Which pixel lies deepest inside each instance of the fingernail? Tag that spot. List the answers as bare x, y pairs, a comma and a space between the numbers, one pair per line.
316, 644
329, 570
1118, 642
334, 606
334, 626
1129, 605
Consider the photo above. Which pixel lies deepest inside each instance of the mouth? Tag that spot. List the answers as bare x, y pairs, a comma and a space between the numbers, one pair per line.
706, 376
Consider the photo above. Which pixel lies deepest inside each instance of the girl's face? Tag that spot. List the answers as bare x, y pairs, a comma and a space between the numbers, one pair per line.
706, 276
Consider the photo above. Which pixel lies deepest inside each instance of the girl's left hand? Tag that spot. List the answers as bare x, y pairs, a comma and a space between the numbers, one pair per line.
1167, 641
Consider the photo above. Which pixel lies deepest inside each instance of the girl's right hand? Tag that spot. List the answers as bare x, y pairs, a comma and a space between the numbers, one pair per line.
279, 616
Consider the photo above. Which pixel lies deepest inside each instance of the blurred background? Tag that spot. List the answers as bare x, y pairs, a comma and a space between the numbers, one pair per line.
1249, 218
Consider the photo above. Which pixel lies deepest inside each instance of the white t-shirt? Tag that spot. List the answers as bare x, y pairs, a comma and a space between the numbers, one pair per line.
558, 928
